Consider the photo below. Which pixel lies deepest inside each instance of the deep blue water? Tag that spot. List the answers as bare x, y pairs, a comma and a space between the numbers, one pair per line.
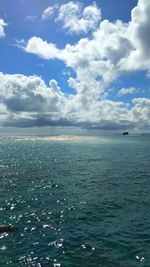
75, 203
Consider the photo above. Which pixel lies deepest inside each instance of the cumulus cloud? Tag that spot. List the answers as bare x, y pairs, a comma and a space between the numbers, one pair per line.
77, 19
101, 59
125, 91
141, 112
21, 94
123, 46
41, 48
49, 12
26, 101
113, 49
138, 35
2, 26
74, 17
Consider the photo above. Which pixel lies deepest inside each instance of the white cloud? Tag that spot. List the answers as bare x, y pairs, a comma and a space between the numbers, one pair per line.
31, 18
110, 50
20, 43
97, 62
26, 101
125, 91
94, 61
141, 112
21, 93
49, 12
41, 48
2, 26
139, 37
77, 19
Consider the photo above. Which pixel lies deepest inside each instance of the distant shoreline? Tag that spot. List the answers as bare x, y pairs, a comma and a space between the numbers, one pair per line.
71, 137
57, 138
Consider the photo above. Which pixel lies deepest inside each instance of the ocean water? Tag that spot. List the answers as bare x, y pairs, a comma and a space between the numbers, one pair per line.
75, 203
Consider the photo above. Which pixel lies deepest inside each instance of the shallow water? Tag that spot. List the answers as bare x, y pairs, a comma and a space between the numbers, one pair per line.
75, 203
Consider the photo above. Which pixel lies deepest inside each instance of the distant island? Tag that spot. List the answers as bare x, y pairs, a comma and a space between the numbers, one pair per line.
125, 133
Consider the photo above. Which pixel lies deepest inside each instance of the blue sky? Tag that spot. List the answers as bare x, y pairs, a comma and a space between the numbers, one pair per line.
82, 64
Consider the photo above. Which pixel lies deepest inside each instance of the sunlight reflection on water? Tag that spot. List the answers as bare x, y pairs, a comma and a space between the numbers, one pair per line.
75, 204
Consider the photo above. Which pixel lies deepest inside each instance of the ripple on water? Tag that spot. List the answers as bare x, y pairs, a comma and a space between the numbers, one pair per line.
75, 204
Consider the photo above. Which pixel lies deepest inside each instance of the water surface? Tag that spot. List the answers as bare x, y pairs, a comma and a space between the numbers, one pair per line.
75, 203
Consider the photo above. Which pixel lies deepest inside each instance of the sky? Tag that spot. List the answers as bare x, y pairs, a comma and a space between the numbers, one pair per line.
75, 65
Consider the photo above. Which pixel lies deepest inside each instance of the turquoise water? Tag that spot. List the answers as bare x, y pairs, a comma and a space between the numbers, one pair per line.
75, 203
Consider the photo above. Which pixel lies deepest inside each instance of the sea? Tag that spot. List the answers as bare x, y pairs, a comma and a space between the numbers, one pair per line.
75, 203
